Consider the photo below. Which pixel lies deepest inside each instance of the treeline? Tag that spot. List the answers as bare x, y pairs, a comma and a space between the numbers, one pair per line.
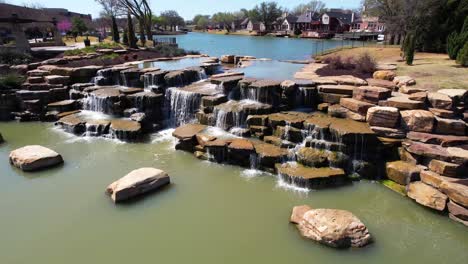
266, 12
430, 22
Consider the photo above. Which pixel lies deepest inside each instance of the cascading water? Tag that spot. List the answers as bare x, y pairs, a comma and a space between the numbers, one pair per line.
182, 106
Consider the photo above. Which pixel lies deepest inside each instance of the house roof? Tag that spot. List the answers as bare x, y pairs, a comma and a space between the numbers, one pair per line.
245, 22
307, 17
342, 16
291, 19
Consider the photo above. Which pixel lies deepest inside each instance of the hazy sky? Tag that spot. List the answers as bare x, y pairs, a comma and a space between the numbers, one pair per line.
186, 8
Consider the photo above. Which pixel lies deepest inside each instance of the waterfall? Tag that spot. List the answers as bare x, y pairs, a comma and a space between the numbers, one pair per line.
202, 75
97, 104
305, 97
123, 76
227, 119
182, 106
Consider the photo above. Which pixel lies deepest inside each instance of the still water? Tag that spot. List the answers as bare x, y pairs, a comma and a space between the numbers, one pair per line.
210, 214
260, 47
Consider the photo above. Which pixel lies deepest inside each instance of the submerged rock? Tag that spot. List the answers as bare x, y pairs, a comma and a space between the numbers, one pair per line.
35, 157
334, 228
72, 124
137, 182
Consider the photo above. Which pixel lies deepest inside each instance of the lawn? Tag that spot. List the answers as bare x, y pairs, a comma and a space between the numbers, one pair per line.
430, 70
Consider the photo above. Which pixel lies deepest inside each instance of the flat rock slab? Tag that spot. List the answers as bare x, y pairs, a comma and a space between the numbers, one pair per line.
458, 212
457, 191
136, 183
402, 103
443, 140
456, 155
427, 196
334, 228
188, 131
356, 106
337, 89
418, 120
381, 116
35, 157
311, 178
371, 94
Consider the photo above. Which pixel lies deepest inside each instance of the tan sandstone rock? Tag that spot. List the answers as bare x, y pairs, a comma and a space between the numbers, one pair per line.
31, 158
402, 172
381, 116
137, 182
334, 228
427, 196
418, 120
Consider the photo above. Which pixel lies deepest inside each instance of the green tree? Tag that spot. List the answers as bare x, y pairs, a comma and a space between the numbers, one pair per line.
462, 57
224, 19
78, 26
125, 37
172, 19
112, 10
202, 23
115, 30
268, 12
410, 48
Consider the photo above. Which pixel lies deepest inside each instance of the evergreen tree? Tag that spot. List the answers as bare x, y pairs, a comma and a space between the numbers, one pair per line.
462, 57
410, 49
132, 41
125, 37
115, 30
453, 45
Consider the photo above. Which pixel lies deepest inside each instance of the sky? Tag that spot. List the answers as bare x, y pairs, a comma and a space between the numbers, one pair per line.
186, 8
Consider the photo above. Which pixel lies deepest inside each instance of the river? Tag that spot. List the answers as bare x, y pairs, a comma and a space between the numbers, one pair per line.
211, 213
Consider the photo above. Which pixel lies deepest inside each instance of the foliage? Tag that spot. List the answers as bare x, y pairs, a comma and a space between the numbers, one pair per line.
11, 81
14, 58
172, 51
64, 26
78, 26
268, 12
171, 18
202, 23
115, 30
223, 18
312, 6
125, 37
364, 64
410, 49
462, 57
431, 20
141, 10
455, 41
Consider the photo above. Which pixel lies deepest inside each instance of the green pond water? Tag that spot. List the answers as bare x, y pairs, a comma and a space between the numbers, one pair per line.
210, 214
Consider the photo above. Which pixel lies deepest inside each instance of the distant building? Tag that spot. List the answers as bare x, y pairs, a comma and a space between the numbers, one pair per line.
368, 24
256, 26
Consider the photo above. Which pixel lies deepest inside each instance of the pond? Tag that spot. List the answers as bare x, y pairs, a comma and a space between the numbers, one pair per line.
210, 214
260, 47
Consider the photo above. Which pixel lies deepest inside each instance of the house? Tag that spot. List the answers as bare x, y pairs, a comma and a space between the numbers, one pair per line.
243, 25
256, 26
289, 23
307, 21
368, 24
337, 20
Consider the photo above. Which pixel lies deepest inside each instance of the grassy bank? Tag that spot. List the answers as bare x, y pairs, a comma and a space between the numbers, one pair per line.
430, 70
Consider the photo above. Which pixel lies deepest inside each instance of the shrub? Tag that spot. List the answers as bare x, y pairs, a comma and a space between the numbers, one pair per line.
453, 45
172, 51
410, 49
365, 63
335, 62
11, 81
14, 58
462, 57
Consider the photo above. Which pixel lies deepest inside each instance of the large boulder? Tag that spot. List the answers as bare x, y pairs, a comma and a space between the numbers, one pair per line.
402, 103
382, 116
440, 100
32, 158
334, 228
402, 172
384, 75
371, 94
137, 182
418, 120
457, 191
458, 212
435, 180
356, 106
125, 130
427, 196
450, 126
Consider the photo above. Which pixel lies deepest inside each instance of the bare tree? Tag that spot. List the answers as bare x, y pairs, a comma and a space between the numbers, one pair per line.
141, 10
112, 10
312, 6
